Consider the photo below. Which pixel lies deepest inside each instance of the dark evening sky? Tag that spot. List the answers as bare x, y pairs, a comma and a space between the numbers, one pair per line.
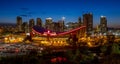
56, 9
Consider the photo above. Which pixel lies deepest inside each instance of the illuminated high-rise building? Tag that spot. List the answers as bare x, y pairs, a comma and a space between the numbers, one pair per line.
55, 27
103, 24
19, 23
98, 29
61, 25
88, 22
31, 24
25, 27
48, 24
79, 22
80, 32
39, 22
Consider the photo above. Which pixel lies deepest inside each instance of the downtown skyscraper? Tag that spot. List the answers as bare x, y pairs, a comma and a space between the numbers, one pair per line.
19, 23
48, 24
103, 24
39, 22
31, 24
88, 22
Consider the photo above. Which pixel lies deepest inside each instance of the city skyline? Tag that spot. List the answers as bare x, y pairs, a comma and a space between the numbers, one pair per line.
56, 9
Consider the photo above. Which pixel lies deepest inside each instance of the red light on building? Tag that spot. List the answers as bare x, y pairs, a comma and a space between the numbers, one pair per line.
48, 31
